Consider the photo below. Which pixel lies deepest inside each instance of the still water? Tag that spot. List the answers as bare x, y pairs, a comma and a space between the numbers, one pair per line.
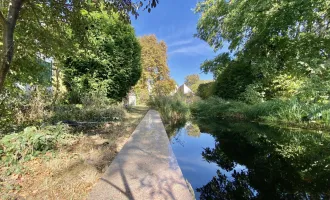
250, 161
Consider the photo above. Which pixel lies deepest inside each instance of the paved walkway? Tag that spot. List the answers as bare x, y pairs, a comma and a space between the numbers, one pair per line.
145, 168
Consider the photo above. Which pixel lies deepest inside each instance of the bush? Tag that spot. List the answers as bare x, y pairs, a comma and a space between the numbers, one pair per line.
90, 114
173, 109
215, 107
31, 141
263, 109
95, 107
232, 82
20, 109
206, 90
115, 58
291, 111
251, 95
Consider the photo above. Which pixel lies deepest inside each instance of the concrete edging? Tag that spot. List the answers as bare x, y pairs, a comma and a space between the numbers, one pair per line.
145, 168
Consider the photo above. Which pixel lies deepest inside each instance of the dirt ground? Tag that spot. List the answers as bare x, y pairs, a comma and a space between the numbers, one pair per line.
71, 171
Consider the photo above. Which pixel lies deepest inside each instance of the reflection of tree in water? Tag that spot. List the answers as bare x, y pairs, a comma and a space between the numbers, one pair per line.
280, 164
172, 129
175, 131
221, 188
193, 130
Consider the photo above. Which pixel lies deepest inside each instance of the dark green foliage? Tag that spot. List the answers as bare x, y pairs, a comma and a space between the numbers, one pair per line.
216, 65
217, 108
286, 44
233, 81
291, 111
114, 60
222, 188
293, 164
206, 90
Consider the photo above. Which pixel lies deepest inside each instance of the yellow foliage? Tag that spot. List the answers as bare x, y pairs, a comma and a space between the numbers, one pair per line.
155, 76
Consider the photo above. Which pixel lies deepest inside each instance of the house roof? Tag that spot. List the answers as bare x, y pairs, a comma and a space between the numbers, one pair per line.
185, 89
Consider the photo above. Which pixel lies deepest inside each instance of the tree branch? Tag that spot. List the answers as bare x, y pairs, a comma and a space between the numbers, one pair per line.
2, 19
34, 12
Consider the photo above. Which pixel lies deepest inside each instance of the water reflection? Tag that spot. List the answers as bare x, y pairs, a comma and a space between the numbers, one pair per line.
250, 161
193, 130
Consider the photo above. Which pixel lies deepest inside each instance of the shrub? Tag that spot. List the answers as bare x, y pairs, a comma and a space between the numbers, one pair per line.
31, 141
206, 90
90, 114
233, 80
114, 59
172, 109
215, 107
20, 109
9, 105
266, 108
251, 95
291, 111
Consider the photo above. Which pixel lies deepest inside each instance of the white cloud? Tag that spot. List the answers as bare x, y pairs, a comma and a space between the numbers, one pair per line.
198, 49
179, 43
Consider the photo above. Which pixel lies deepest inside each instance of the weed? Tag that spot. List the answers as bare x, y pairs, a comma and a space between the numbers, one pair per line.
172, 109
290, 111
32, 141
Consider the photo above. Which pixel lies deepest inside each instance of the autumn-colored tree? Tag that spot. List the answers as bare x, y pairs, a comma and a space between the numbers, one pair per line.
191, 79
164, 87
155, 71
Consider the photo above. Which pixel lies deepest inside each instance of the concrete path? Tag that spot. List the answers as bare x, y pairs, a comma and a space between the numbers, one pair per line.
145, 168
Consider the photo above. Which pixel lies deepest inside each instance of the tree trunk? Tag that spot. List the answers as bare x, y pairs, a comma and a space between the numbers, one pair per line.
9, 25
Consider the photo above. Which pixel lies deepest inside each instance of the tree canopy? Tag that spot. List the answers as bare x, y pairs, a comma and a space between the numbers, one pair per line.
273, 38
49, 28
113, 60
191, 79
155, 71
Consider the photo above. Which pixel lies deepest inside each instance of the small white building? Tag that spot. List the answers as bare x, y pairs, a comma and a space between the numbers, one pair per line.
131, 99
183, 89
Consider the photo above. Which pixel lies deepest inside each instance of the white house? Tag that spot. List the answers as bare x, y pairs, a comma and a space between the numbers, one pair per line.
183, 89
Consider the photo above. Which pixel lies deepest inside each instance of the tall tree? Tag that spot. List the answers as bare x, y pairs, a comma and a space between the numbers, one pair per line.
191, 79
271, 37
36, 18
155, 71
113, 61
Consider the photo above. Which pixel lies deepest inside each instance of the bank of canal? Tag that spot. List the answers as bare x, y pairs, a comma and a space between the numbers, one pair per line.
249, 161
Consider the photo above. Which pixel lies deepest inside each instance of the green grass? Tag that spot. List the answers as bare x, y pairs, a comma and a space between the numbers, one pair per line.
291, 111
173, 109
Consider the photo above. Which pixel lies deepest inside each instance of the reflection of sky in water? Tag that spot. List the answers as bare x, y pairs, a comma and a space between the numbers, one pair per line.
188, 151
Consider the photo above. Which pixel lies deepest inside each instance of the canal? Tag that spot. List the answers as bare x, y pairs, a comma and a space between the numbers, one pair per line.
230, 160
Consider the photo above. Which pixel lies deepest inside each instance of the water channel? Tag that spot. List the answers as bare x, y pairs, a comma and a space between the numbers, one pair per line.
230, 160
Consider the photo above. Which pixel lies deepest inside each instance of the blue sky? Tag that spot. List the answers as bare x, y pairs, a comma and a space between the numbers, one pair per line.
174, 22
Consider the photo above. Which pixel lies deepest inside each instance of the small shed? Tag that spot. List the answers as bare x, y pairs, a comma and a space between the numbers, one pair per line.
131, 98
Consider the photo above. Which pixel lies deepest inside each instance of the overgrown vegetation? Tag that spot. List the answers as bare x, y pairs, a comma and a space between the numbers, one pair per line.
74, 63
32, 141
114, 60
51, 161
173, 109
290, 111
277, 66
